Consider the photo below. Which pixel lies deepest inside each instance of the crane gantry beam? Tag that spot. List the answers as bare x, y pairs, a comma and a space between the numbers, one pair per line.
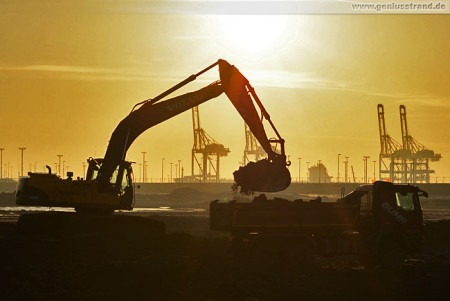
417, 156
207, 147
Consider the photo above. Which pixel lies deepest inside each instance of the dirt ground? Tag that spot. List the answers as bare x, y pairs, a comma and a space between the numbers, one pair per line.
58, 256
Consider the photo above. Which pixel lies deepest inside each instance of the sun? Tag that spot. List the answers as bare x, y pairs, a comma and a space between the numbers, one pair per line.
253, 36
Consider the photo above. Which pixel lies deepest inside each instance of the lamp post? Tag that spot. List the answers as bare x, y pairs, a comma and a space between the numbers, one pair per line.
346, 169
176, 170
64, 166
179, 168
318, 166
21, 160
337, 180
1, 162
143, 167
374, 167
307, 171
365, 168
299, 169
162, 170
140, 172
59, 165
84, 169
171, 164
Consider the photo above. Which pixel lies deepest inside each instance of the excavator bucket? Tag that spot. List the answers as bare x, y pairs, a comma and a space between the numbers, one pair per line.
263, 176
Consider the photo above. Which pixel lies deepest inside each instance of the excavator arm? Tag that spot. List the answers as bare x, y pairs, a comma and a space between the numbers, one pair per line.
265, 175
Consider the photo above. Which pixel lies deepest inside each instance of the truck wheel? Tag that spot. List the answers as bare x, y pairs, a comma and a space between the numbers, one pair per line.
300, 256
391, 256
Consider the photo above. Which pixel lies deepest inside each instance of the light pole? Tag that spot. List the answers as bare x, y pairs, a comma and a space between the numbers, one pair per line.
84, 169
337, 180
179, 169
346, 169
318, 166
140, 172
299, 167
143, 167
365, 168
162, 170
64, 168
307, 171
59, 165
374, 167
21, 160
1, 162
171, 164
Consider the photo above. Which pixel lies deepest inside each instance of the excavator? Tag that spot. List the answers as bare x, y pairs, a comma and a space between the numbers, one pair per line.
108, 184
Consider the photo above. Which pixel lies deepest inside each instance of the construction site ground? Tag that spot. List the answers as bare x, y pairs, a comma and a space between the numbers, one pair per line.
172, 255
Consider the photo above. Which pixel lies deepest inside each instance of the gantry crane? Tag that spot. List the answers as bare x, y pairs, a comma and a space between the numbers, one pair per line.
416, 168
252, 147
205, 145
407, 162
389, 165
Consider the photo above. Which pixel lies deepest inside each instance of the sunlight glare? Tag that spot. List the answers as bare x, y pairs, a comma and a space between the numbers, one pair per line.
253, 36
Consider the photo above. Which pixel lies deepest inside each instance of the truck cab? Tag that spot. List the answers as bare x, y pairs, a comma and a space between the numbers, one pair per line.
390, 217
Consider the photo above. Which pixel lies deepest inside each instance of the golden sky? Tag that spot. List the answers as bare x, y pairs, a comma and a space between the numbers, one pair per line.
70, 72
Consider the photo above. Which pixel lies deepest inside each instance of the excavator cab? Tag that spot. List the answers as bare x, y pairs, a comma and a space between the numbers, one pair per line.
120, 182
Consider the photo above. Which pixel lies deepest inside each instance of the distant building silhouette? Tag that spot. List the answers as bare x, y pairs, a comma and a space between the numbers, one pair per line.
319, 174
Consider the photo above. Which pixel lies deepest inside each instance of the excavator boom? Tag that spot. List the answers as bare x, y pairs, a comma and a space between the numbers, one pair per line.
147, 116
154, 111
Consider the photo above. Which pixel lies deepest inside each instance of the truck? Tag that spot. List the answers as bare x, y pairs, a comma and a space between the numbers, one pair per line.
380, 223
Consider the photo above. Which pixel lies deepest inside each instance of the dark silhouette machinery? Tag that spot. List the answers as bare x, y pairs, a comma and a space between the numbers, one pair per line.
408, 162
253, 149
207, 147
108, 184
